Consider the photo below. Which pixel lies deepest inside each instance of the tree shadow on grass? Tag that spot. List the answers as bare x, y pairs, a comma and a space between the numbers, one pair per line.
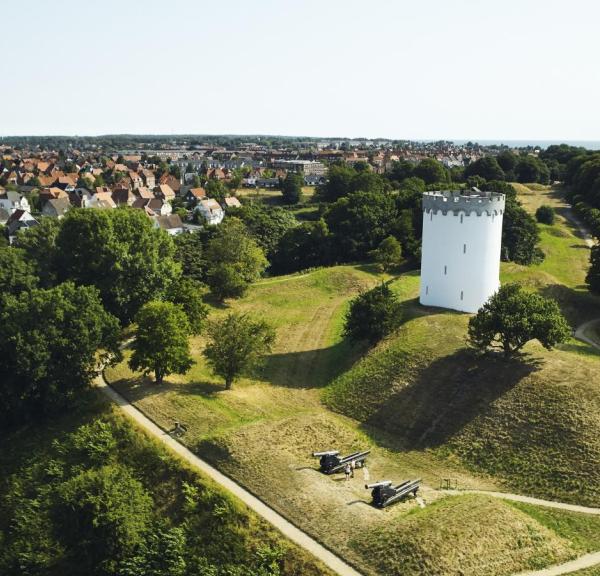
141, 387
577, 305
446, 396
310, 368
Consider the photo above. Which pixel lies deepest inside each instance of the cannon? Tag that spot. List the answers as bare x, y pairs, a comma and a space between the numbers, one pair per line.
384, 493
330, 461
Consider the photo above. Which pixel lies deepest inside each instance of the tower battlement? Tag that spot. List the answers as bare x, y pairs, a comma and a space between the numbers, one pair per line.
456, 201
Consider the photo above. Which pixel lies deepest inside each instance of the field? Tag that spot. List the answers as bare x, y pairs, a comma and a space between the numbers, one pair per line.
424, 406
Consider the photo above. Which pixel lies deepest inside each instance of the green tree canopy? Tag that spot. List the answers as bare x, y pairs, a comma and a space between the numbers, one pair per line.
486, 167
512, 317
373, 315
532, 169
388, 254
234, 260
359, 222
187, 293
49, 340
103, 515
507, 161
545, 214
339, 177
161, 343
190, 253
16, 272
237, 343
593, 275
305, 246
121, 253
291, 188
520, 235
39, 244
430, 171
267, 224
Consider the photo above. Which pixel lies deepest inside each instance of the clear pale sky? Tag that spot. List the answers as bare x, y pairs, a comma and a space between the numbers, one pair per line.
456, 69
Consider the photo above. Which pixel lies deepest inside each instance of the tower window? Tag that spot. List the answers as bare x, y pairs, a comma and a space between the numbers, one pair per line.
461, 218
464, 248
426, 290
445, 270
431, 215
462, 294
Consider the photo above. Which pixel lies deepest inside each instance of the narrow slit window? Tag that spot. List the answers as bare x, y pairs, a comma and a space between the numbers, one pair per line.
431, 215
464, 248
426, 290
462, 294
445, 269
461, 218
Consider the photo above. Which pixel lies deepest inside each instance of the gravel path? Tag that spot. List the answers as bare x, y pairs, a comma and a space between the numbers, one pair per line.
587, 561
302, 539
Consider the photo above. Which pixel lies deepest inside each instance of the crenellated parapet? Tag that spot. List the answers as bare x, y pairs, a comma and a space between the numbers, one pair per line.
457, 201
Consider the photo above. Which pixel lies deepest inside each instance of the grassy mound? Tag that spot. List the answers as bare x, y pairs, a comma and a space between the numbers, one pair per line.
446, 538
534, 424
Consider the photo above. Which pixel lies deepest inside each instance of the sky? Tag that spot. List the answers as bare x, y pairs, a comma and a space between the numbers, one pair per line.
420, 69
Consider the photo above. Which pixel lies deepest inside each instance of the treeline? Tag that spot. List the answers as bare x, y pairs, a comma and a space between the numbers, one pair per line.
90, 495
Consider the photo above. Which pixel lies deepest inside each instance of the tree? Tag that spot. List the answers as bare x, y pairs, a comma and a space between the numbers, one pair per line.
121, 253
216, 189
190, 253
187, 294
267, 224
291, 188
102, 516
39, 245
49, 341
512, 317
532, 169
507, 161
339, 177
359, 222
237, 343
161, 342
520, 235
234, 260
545, 214
430, 171
592, 278
388, 254
16, 272
373, 315
486, 167
305, 246
401, 170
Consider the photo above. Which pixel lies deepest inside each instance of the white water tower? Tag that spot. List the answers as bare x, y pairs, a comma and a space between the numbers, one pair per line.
460, 254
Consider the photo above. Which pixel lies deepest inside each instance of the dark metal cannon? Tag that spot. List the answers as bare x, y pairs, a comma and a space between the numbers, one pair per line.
330, 461
384, 493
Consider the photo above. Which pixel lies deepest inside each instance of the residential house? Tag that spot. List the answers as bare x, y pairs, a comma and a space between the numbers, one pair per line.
165, 192
231, 202
194, 195
12, 201
149, 179
153, 206
123, 197
211, 211
19, 220
136, 180
144, 192
171, 224
65, 183
56, 207
4, 216
170, 181
267, 182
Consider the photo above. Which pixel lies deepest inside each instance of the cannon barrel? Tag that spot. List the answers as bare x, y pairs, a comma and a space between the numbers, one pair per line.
380, 483
326, 453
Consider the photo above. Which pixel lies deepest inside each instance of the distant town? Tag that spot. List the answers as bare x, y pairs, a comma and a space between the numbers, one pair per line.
185, 182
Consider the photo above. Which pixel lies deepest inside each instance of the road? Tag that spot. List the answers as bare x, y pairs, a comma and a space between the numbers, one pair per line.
296, 535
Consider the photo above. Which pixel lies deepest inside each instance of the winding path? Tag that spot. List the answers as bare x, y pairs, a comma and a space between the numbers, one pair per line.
296, 535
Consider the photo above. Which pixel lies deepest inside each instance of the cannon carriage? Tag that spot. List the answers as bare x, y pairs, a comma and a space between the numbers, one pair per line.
384, 494
331, 462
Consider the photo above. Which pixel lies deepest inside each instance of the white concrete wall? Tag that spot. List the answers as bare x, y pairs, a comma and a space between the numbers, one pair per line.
460, 261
